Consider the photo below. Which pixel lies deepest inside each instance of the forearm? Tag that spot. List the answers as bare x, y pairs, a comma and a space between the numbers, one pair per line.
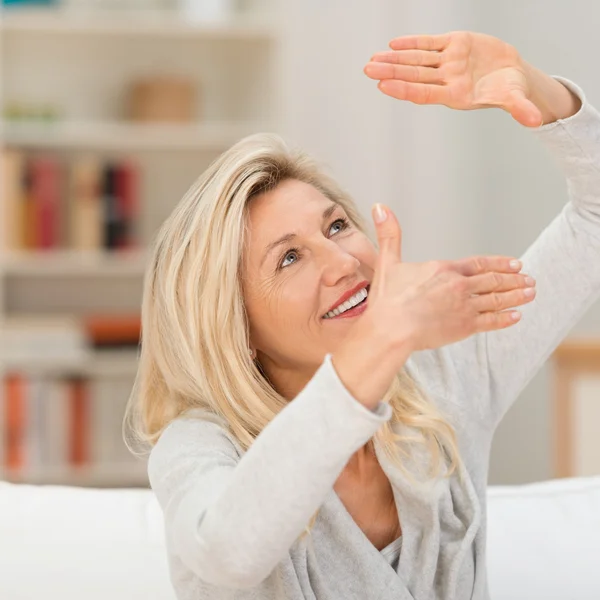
575, 148
553, 99
368, 361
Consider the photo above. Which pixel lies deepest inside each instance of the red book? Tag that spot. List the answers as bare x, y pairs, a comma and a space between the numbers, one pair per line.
15, 420
127, 202
113, 330
45, 192
79, 423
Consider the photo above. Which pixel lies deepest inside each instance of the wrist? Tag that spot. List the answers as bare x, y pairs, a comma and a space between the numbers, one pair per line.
554, 99
369, 359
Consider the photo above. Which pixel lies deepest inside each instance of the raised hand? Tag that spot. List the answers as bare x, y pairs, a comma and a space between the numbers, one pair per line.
462, 70
418, 306
440, 302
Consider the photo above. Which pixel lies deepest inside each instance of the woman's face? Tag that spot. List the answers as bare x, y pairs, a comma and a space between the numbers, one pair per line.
302, 256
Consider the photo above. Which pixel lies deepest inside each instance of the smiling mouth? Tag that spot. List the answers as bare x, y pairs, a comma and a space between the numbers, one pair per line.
357, 300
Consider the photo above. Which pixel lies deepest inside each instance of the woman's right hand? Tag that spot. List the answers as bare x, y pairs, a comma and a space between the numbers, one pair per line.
419, 306
435, 303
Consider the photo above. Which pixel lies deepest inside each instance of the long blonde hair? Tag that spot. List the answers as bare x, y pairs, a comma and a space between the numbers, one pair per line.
194, 349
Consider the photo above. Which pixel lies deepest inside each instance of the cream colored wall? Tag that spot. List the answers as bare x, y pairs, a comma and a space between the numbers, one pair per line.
461, 183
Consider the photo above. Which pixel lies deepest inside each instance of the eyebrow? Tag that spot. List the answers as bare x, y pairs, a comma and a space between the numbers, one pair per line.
288, 237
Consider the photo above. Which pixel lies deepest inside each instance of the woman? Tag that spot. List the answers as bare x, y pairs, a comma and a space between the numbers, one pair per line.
321, 414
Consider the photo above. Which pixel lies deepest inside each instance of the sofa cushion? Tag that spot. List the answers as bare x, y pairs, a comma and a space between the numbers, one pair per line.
67, 543
71, 543
544, 540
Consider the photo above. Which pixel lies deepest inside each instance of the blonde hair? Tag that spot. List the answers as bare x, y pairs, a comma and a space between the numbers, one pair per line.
194, 349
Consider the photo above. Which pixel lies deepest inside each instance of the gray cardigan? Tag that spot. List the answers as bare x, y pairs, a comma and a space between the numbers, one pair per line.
233, 519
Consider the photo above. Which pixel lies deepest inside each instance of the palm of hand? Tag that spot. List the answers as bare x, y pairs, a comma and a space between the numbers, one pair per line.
461, 70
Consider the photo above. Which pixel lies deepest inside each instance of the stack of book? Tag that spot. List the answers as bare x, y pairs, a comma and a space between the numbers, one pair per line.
40, 339
84, 204
64, 422
54, 412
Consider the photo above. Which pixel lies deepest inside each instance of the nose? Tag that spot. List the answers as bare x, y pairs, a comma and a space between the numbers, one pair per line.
337, 263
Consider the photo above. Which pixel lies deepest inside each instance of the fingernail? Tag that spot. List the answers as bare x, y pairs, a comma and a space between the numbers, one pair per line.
380, 214
515, 264
529, 280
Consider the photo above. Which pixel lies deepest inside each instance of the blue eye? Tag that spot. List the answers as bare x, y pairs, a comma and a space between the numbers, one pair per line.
292, 252
340, 223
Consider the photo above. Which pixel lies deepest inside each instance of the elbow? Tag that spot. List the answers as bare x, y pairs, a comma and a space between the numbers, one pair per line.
222, 573
220, 563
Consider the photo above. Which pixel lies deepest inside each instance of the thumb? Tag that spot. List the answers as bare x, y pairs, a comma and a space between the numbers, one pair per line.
389, 233
524, 111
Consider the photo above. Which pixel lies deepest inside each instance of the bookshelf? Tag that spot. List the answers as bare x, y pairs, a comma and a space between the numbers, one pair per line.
80, 62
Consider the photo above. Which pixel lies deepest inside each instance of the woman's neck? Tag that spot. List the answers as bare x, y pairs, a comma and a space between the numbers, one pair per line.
289, 381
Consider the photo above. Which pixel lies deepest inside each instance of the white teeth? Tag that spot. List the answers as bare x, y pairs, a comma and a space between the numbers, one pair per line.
353, 301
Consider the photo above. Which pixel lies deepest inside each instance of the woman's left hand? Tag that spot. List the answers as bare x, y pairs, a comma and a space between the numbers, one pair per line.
465, 71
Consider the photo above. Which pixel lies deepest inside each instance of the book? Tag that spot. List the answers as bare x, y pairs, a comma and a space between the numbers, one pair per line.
60, 424
110, 331
85, 210
12, 182
45, 197
85, 204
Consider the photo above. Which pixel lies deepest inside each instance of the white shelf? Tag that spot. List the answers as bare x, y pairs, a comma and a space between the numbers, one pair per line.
156, 23
133, 475
55, 263
99, 364
108, 135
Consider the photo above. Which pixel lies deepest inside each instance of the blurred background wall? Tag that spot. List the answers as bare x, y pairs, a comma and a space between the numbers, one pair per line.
461, 183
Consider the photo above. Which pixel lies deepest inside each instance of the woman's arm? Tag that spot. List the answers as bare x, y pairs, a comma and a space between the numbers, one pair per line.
468, 71
553, 99
494, 367
564, 260
231, 518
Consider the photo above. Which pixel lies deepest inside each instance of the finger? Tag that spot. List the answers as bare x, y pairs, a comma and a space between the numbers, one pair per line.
524, 111
419, 93
389, 238
409, 57
411, 73
491, 321
389, 233
476, 265
421, 42
501, 301
498, 282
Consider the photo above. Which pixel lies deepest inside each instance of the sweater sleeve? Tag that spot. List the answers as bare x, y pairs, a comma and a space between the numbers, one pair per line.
565, 261
232, 517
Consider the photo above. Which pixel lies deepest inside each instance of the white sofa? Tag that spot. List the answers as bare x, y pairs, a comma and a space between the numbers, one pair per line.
60, 543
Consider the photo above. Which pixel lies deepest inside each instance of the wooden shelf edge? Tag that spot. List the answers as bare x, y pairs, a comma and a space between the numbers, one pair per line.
53, 263
579, 353
118, 363
103, 477
138, 23
127, 136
